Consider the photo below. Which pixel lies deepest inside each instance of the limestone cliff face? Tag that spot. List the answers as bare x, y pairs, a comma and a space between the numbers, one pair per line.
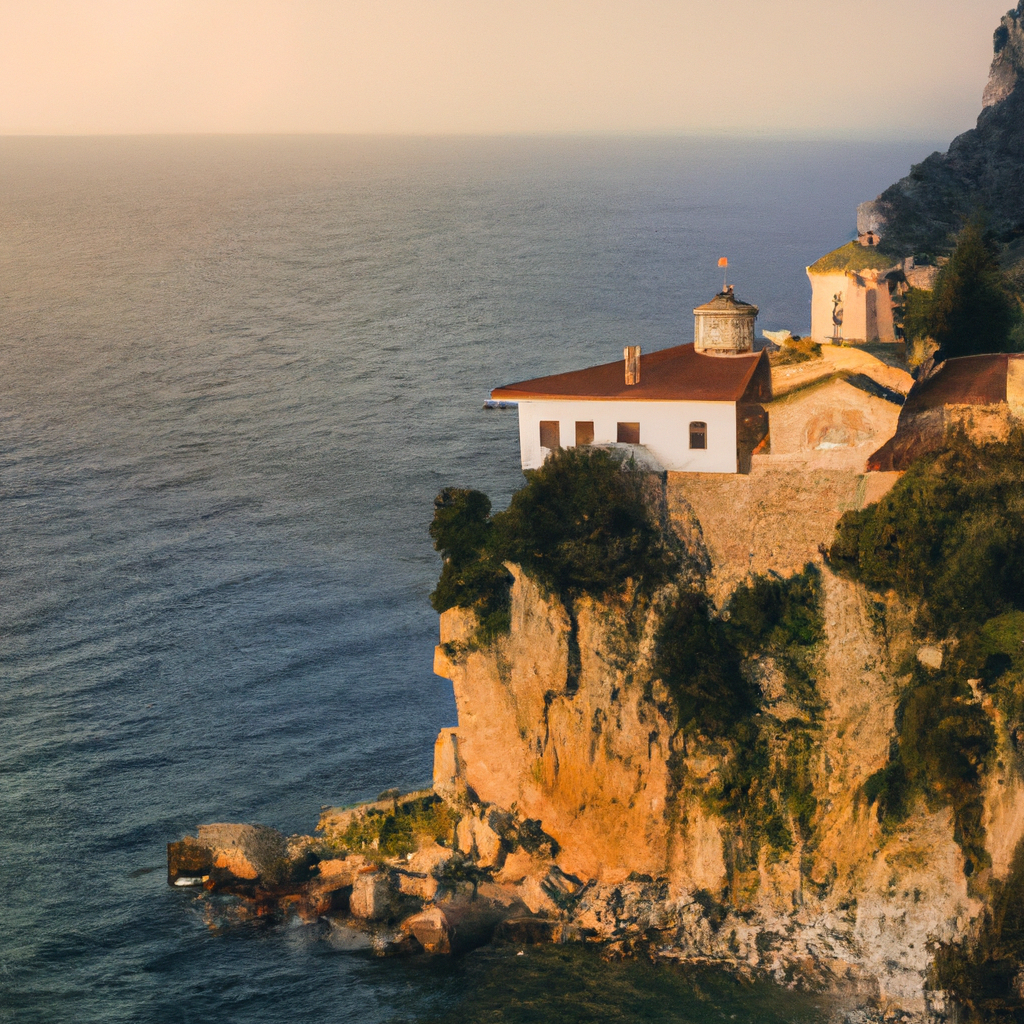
601, 762
590, 761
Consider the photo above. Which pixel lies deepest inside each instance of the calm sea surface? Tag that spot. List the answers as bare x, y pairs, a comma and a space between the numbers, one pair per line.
233, 375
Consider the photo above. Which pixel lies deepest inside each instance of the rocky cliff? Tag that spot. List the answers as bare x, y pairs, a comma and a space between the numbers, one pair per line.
763, 758
983, 169
802, 881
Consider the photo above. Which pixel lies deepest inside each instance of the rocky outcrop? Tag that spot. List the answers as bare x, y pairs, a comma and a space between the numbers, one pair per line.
620, 788
983, 169
573, 801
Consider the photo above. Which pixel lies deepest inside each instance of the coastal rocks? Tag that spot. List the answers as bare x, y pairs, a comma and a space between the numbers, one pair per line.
243, 851
420, 876
477, 838
373, 895
226, 852
431, 929
188, 862
455, 926
405, 893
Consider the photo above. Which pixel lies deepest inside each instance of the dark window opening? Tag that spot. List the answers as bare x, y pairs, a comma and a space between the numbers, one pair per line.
628, 433
698, 435
549, 434
584, 432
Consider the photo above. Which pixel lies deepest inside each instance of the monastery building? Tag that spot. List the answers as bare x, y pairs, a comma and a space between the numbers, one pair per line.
694, 408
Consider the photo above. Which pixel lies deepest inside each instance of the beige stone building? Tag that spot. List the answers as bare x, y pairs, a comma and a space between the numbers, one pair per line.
853, 289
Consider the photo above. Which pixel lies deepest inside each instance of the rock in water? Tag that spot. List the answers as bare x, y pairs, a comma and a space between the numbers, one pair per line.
372, 896
431, 930
243, 852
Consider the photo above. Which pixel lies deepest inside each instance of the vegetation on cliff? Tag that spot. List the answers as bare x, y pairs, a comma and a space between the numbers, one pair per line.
972, 309
944, 741
582, 525
394, 831
764, 785
949, 539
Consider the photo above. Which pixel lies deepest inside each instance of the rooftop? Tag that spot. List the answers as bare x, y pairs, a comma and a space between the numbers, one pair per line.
672, 374
726, 302
852, 257
967, 380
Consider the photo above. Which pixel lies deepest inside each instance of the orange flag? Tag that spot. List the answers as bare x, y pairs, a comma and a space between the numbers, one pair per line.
724, 261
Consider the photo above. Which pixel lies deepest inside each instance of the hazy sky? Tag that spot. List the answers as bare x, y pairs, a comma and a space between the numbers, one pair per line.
809, 67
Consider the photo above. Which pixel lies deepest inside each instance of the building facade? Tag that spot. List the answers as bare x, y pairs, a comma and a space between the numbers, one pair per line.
690, 411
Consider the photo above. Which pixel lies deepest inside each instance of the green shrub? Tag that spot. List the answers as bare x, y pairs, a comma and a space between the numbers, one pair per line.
949, 534
781, 618
972, 309
700, 665
472, 575
398, 831
917, 308
582, 524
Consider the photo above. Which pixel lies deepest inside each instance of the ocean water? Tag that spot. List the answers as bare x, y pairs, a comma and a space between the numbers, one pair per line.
234, 372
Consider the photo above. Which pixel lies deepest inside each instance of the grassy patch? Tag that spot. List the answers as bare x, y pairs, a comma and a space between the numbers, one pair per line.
396, 831
852, 256
796, 350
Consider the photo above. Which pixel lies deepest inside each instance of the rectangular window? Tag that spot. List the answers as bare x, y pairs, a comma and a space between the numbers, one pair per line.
628, 433
698, 435
584, 432
549, 434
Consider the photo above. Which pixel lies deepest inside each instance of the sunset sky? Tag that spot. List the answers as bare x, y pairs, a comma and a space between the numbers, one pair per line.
871, 68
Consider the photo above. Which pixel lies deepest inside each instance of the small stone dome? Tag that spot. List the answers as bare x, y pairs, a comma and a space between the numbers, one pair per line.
724, 326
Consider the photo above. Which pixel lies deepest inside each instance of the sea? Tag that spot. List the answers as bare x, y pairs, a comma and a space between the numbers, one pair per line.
234, 373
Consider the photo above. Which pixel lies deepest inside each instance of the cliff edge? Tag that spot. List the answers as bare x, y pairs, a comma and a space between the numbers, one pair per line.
983, 169
774, 721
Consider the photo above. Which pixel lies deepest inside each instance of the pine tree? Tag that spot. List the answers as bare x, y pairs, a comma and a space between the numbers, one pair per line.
972, 310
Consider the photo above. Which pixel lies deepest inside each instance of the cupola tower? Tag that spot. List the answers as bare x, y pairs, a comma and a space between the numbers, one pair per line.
724, 326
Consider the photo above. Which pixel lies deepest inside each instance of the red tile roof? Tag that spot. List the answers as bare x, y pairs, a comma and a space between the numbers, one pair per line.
678, 374
920, 430
967, 380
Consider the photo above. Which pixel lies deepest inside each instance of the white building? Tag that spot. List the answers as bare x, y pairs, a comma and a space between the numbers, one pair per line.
693, 411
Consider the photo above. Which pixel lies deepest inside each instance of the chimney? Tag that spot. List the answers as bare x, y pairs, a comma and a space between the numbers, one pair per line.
632, 356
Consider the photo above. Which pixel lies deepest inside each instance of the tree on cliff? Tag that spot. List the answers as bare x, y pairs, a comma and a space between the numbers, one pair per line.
583, 524
972, 310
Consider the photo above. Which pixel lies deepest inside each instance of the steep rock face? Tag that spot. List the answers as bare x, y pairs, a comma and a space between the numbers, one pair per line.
983, 168
591, 763
604, 768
